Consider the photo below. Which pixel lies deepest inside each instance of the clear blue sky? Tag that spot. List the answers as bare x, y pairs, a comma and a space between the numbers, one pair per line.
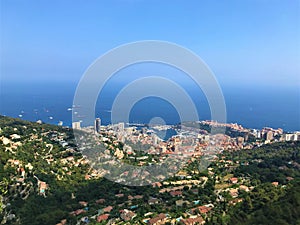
243, 42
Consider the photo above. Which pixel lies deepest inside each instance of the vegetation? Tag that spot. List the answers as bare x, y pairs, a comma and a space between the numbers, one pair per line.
70, 181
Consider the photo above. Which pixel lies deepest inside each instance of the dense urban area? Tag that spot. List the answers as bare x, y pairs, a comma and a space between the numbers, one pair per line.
249, 176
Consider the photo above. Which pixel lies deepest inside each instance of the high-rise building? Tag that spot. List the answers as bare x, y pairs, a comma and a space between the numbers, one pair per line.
258, 134
76, 125
269, 136
288, 137
119, 127
292, 137
154, 139
240, 140
97, 125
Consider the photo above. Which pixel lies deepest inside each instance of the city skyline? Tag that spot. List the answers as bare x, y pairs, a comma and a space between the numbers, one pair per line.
149, 112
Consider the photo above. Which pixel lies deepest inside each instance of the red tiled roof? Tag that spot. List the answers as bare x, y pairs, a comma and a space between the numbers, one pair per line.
176, 193
193, 221
202, 209
130, 197
157, 184
77, 212
100, 201
138, 196
102, 217
119, 195
127, 215
83, 203
154, 220
107, 209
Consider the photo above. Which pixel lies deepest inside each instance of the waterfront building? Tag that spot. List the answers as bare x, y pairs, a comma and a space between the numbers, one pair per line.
97, 125
76, 125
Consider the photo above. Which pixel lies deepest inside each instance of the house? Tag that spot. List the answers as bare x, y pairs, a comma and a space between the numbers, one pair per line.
102, 217
15, 136
204, 209
70, 158
157, 184
77, 212
100, 201
42, 186
160, 219
22, 171
235, 201
87, 177
107, 209
153, 201
29, 166
83, 203
234, 192
275, 184
244, 188
127, 215
176, 193
5, 141
135, 197
119, 195
194, 191
233, 180
181, 202
138, 197
62, 222
193, 221
14, 162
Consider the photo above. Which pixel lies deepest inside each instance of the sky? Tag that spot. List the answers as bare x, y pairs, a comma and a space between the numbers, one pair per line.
249, 42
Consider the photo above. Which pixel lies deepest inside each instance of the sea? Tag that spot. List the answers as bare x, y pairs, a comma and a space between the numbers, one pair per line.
251, 106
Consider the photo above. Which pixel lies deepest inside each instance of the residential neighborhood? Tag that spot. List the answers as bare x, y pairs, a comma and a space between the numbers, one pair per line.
192, 195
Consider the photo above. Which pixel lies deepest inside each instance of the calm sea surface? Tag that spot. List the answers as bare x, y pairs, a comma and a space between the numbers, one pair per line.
251, 107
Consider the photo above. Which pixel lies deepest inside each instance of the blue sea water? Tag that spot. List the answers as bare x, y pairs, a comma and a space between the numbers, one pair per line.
252, 107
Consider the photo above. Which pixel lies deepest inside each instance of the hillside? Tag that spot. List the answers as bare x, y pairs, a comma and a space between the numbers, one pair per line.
45, 180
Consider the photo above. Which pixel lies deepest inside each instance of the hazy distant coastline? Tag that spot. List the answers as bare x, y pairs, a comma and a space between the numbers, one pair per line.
254, 107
